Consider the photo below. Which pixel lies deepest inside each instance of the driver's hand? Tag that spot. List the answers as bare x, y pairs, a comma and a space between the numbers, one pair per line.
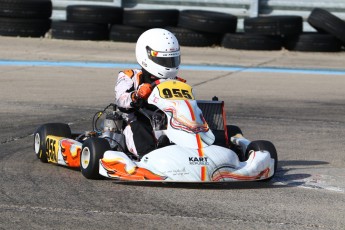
144, 91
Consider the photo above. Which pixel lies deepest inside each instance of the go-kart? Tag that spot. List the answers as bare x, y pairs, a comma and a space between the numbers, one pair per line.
197, 146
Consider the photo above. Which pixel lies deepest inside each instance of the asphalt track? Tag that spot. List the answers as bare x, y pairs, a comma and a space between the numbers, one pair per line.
296, 100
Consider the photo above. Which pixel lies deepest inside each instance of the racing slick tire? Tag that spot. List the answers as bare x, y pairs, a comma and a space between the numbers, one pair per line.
324, 21
244, 41
92, 151
31, 9
187, 37
94, 14
274, 25
150, 18
313, 42
79, 31
208, 21
123, 33
56, 129
261, 145
24, 27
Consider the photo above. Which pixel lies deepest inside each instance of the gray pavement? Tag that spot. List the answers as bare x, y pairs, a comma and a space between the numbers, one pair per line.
302, 114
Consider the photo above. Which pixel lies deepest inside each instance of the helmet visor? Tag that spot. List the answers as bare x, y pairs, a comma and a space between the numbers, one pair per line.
166, 59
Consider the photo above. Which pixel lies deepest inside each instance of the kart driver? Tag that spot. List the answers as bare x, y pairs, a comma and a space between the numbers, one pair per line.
158, 53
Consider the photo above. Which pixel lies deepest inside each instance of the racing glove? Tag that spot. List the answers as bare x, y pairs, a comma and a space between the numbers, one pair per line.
138, 97
144, 91
137, 102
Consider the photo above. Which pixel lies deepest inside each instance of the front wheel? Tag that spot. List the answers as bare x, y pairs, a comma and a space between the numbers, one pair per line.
261, 146
92, 151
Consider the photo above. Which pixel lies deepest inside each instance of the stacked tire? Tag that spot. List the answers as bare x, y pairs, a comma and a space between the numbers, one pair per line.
87, 22
264, 33
25, 18
276, 32
191, 27
135, 22
203, 28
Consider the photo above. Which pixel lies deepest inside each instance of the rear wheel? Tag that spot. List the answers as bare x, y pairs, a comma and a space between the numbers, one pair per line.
56, 129
92, 151
261, 146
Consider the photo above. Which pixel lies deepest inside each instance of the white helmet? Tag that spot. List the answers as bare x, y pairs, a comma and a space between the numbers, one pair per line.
158, 52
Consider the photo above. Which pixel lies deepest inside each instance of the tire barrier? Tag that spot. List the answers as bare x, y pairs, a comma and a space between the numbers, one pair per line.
207, 21
79, 31
195, 28
251, 42
324, 21
94, 14
29, 18
274, 25
87, 22
150, 18
313, 42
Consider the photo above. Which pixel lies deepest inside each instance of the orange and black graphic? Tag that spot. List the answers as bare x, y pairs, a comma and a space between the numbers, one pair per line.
117, 169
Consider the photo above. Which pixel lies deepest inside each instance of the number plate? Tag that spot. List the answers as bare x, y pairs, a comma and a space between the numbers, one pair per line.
175, 90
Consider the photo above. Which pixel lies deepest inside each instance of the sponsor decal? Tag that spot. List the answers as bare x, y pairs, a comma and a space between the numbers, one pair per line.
198, 160
177, 172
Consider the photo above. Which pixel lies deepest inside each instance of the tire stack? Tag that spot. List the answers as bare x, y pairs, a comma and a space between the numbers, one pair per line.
25, 18
135, 22
330, 36
191, 27
87, 22
276, 32
264, 33
203, 28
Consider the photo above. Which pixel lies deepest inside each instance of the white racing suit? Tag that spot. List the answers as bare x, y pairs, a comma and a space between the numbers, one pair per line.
139, 135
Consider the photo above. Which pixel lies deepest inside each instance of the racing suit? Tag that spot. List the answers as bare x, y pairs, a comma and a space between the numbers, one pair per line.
140, 138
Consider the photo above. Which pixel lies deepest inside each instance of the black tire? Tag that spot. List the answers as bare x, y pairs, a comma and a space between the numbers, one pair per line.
274, 25
56, 129
24, 27
94, 14
34, 9
208, 21
79, 31
252, 42
324, 21
92, 151
313, 42
234, 130
150, 18
261, 145
123, 33
187, 37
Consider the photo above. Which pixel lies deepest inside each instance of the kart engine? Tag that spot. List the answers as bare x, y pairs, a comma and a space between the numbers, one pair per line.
113, 132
